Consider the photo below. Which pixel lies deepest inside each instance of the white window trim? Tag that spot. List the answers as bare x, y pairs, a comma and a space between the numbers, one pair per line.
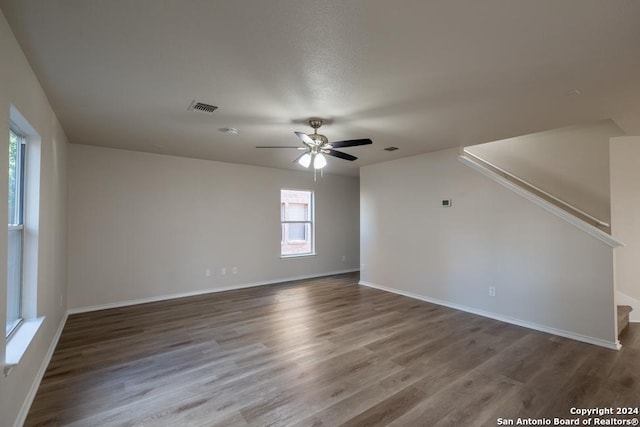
312, 222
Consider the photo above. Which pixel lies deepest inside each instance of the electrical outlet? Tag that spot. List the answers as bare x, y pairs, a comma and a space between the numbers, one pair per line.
344, 258
492, 291
223, 271
235, 270
207, 273
60, 301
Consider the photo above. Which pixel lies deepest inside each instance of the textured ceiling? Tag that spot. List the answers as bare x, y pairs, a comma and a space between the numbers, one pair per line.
418, 75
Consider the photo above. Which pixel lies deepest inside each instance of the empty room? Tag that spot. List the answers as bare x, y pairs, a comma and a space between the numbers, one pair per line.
320, 212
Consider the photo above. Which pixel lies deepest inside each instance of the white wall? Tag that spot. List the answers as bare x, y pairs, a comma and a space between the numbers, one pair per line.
146, 225
571, 163
625, 216
20, 87
547, 273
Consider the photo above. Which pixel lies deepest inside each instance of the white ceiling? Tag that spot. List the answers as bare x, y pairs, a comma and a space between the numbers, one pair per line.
419, 75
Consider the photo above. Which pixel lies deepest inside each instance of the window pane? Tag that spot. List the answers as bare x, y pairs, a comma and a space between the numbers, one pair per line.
15, 234
14, 279
297, 212
297, 231
296, 205
13, 177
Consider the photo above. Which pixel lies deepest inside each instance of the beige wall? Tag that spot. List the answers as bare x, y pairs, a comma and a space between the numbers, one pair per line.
20, 87
546, 272
625, 214
145, 225
570, 163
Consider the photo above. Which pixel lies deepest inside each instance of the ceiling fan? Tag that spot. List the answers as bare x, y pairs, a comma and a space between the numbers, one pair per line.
317, 145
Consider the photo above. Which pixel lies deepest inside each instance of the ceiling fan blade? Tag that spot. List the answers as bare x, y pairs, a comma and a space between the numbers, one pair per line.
350, 143
282, 146
305, 138
340, 154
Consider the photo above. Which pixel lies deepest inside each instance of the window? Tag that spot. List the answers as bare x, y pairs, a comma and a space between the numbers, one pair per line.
296, 217
15, 230
22, 321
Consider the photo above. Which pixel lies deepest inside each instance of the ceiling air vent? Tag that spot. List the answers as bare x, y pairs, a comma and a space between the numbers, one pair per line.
390, 149
201, 106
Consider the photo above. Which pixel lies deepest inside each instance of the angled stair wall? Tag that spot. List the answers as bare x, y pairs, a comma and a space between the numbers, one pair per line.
572, 163
578, 218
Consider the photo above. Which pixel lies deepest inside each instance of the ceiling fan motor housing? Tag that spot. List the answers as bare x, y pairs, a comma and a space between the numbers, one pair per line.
318, 138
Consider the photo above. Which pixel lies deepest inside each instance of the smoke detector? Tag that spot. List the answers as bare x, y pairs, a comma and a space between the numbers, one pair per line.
229, 131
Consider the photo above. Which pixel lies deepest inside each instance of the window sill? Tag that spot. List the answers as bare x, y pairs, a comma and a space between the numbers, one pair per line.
19, 342
297, 256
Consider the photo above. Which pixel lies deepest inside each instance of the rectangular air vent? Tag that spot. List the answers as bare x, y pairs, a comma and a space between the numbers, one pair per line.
391, 149
201, 106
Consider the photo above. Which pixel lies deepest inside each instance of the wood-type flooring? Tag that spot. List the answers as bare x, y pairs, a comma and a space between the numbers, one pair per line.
320, 352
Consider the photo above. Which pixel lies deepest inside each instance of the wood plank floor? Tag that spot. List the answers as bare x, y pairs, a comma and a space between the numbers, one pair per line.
321, 352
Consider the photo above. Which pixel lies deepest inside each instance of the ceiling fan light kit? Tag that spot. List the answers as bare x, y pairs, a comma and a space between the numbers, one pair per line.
305, 160
316, 146
319, 161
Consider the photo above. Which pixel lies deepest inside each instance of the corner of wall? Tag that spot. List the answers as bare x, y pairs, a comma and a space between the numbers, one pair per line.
26, 405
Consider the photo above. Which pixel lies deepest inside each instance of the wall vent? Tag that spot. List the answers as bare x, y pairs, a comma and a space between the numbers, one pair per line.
201, 106
390, 149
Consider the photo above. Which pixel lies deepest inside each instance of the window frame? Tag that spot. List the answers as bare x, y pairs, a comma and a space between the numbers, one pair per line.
18, 225
310, 223
290, 222
18, 342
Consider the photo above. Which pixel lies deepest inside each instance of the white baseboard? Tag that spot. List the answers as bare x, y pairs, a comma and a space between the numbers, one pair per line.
624, 299
578, 337
26, 405
201, 292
